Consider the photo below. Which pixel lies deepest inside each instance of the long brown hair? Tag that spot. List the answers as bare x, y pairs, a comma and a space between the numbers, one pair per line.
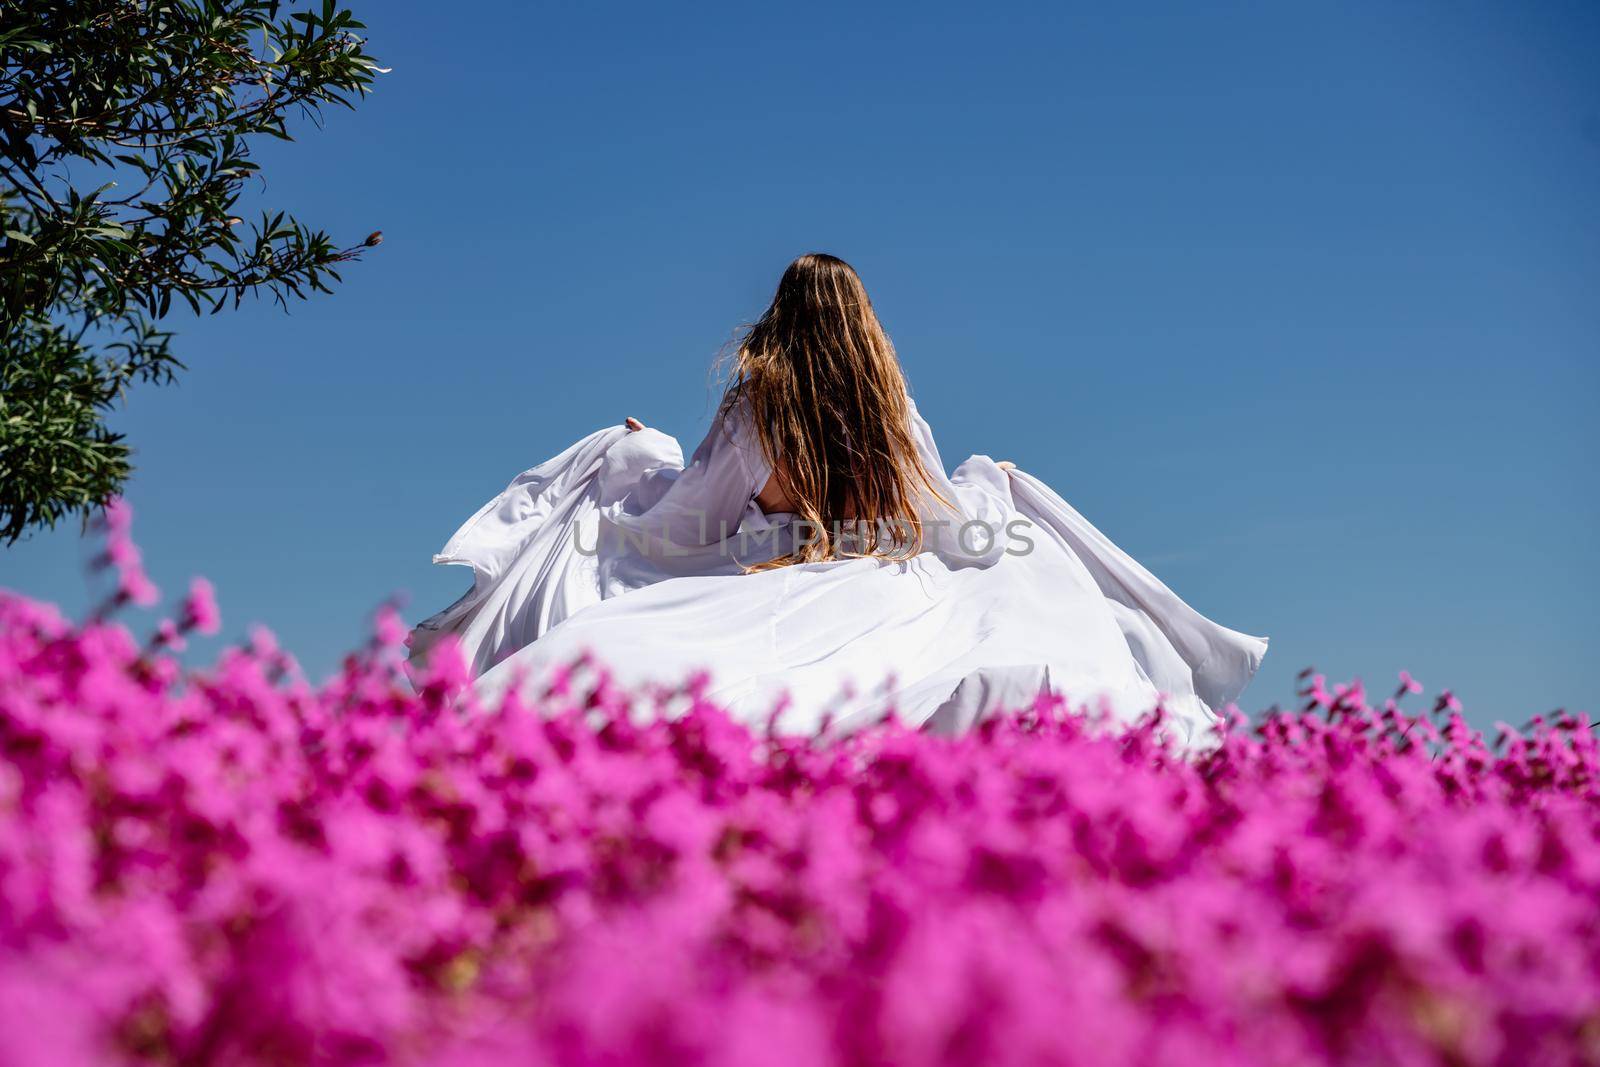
828, 402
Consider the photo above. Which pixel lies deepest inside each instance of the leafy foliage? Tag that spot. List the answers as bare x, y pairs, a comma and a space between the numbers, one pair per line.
125, 136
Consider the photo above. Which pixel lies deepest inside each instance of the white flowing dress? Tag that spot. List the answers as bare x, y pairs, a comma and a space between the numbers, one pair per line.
615, 548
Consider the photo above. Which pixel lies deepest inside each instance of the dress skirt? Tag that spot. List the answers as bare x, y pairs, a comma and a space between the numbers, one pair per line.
944, 639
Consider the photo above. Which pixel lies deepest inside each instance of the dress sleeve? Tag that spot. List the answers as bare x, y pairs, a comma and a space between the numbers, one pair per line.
704, 502
975, 531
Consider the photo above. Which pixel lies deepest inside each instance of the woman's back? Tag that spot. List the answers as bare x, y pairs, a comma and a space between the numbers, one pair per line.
828, 405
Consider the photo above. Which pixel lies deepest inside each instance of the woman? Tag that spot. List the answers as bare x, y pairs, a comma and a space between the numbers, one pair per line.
814, 558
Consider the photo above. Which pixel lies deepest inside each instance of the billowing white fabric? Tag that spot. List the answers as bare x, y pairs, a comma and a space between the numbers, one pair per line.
617, 548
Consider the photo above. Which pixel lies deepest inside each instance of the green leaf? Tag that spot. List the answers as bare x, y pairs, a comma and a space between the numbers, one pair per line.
171, 93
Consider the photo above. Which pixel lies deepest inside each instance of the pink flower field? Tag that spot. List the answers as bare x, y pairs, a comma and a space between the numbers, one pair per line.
230, 866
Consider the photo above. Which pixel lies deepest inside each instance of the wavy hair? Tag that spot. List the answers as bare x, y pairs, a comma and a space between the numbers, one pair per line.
828, 401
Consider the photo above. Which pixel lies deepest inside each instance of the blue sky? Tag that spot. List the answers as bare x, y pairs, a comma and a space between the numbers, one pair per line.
1295, 301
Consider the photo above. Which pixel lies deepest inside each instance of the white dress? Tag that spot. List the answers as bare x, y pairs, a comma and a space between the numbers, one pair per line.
617, 549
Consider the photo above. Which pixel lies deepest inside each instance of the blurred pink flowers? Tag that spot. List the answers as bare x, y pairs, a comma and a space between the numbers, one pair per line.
230, 866
200, 608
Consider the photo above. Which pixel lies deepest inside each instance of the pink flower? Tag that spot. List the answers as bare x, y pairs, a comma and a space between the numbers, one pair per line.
134, 587
263, 642
1317, 692
226, 864
388, 629
169, 637
200, 608
118, 517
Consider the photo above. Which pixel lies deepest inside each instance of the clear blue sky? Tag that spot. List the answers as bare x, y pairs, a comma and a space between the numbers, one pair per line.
1297, 302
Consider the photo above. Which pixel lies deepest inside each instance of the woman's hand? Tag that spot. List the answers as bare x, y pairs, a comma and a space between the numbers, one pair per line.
633, 424
1006, 465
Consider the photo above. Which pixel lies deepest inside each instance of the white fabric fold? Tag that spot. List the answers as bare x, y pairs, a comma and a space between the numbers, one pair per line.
613, 548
